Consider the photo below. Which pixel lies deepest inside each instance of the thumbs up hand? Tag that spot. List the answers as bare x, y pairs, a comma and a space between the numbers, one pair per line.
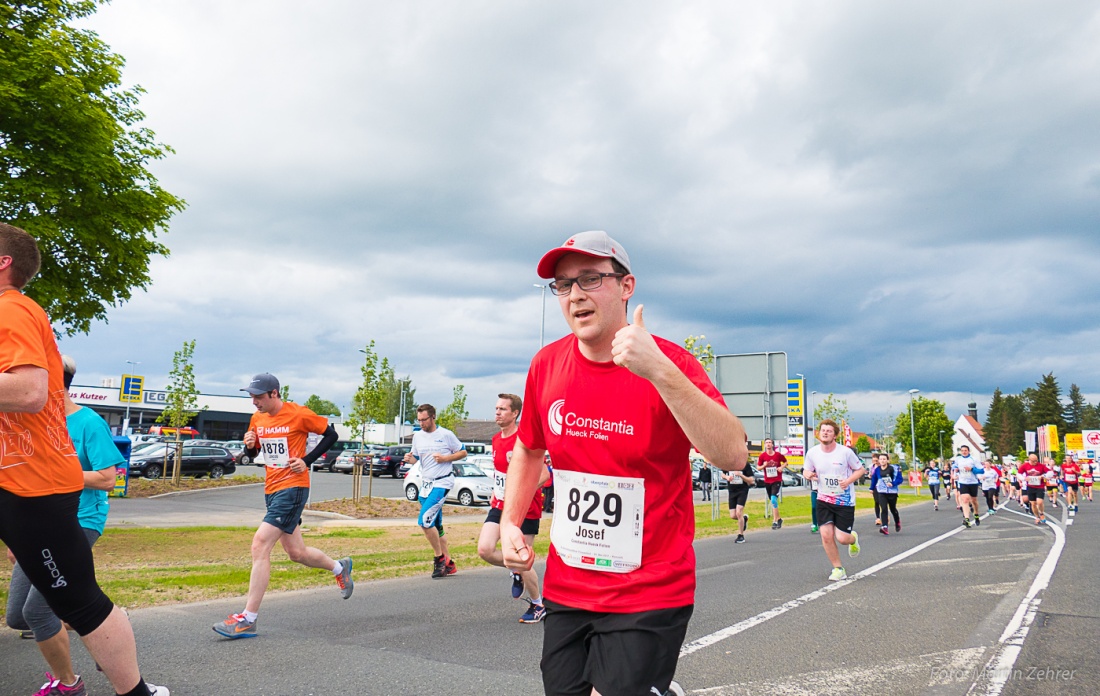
635, 349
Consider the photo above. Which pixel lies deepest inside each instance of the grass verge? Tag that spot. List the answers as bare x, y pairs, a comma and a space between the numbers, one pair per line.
148, 567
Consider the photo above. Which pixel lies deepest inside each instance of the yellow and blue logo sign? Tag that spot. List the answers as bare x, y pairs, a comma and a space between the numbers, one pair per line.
132, 388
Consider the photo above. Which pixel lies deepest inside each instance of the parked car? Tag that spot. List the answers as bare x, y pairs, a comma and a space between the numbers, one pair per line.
789, 479
473, 448
390, 461
471, 487
195, 460
345, 463
326, 460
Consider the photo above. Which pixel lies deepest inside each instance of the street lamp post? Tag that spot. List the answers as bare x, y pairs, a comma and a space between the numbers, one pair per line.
542, 326
941, 444
813, 418
126, 420
913, 428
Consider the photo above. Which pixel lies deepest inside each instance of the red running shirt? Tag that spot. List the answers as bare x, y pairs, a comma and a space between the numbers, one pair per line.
771, 461
1034, 470
502, 455
599, 418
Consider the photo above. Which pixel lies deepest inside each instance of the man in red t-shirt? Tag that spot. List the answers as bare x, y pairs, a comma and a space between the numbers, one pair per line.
772, 463
1034, 478
41, 479
507, 413
619, 410
1071, 472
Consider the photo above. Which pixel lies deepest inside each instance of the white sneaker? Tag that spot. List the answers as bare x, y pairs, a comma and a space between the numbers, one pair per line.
675, 689
155, 690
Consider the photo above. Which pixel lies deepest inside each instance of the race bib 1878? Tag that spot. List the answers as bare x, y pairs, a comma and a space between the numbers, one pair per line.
276, 452
599, 521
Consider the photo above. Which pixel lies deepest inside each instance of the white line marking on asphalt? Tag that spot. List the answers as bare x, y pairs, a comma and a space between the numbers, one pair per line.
999, 667
729, 631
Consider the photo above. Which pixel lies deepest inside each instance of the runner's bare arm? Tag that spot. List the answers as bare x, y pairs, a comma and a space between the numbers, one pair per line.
453, 457
715, 432
100, 480
525, 475
23, 389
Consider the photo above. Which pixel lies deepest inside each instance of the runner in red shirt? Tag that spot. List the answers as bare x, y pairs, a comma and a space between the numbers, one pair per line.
1071, 473
507, 413
1086, 480
1034, 475
772, 464
618, 410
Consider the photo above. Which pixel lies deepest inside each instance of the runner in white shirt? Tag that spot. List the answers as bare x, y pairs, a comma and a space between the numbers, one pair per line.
967, 483
436, 448
836, 469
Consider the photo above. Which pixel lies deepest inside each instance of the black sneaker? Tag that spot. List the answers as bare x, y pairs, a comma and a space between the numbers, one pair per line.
779, 523
438, 567
740, 539
775, 525
977, 520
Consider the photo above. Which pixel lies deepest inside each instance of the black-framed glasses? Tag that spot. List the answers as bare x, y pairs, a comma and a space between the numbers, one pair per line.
588, 281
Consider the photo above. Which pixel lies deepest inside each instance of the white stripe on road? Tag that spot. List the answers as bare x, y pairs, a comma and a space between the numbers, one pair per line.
745, 625
999, 667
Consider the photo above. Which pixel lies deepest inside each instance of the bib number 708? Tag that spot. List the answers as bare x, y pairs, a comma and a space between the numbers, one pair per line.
610, 505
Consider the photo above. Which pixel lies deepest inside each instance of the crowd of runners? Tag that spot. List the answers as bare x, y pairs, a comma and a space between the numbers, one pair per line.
614, 408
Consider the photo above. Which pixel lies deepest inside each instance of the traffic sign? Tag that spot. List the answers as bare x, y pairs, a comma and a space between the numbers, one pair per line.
132, 388
1091, 438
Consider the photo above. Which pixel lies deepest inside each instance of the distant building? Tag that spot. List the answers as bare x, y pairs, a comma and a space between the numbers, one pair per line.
968, 431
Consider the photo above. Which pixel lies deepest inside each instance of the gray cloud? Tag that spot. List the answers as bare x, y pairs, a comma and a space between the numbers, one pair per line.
898, 196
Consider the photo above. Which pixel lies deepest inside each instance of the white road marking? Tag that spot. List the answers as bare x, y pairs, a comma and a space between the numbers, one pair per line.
730, 631
999, 667
952, 667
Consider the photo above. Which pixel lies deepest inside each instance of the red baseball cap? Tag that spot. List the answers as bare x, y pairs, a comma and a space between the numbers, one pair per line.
595, 243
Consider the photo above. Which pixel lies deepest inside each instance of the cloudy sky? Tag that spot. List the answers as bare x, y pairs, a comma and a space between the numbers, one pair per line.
898, 195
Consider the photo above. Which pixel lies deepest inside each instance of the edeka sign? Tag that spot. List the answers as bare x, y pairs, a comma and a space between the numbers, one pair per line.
158, 397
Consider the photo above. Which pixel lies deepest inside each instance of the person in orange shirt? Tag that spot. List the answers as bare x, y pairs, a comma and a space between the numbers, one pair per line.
41, 478
280, 429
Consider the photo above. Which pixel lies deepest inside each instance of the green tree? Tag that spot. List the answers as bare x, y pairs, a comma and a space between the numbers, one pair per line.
73, 162
322, 407
702, 353
863, 444
1090, 417
930, 417
454, 414
182, 398
284, 393
1045, 404
831, 407
392, 386
368, 403
1074, 411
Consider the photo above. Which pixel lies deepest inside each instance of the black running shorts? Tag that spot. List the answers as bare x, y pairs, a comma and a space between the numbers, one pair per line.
53, 551
970, 489
739, 495
529, 526
1034, 494
842, 517
617, 654
284, 508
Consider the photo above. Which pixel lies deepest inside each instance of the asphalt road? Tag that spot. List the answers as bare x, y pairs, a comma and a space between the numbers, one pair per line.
766, 621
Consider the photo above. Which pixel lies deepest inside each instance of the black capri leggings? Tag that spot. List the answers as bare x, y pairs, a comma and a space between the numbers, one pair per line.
52, 550
990, 498
889, 500
878, 504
